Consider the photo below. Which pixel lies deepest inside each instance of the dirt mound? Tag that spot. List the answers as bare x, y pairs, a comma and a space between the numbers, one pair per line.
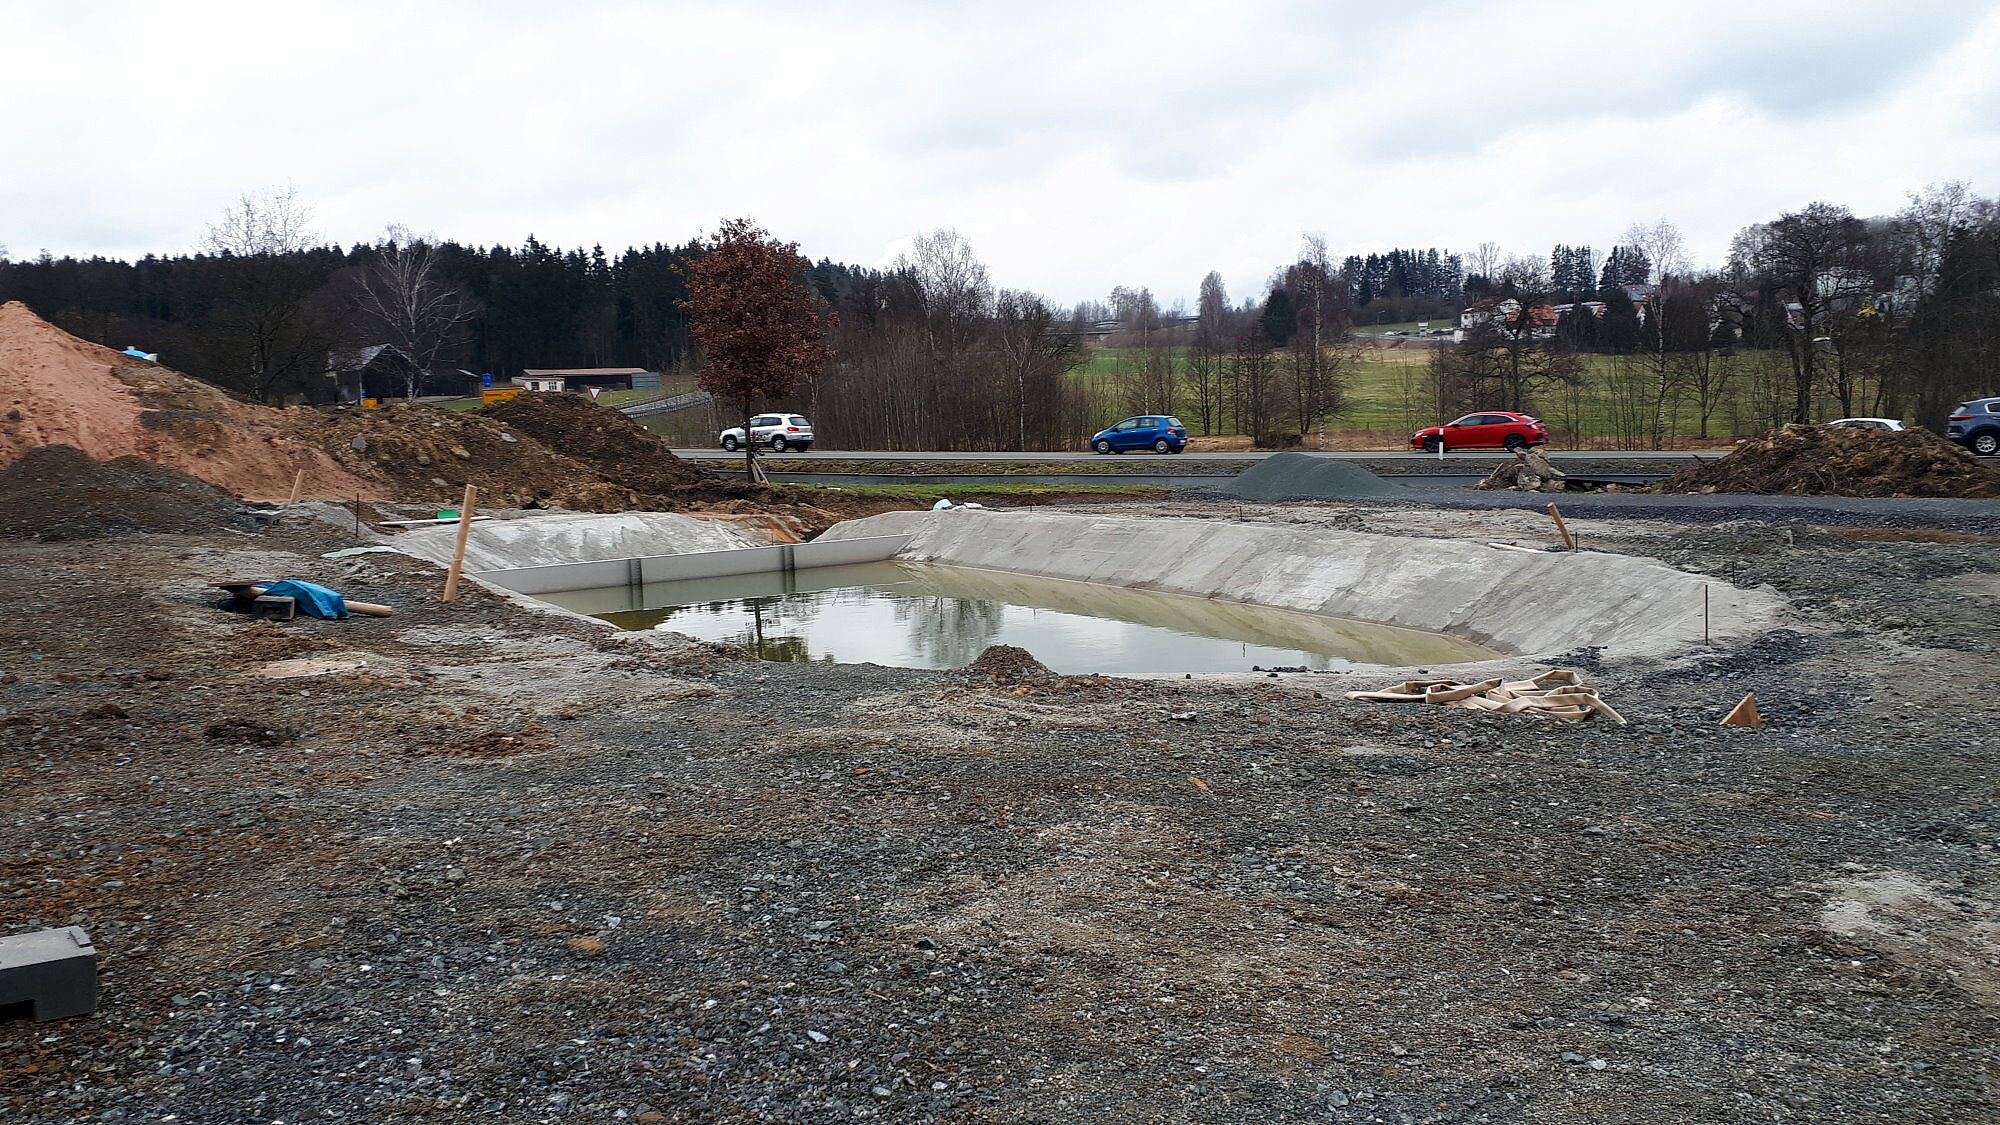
553, 448
1842, 461
425, 454
59, 492
1301, 476
1007, 666
58, 390
621, 450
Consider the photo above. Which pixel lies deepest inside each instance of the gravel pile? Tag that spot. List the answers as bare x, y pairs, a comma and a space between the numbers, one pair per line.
57, 492
1299, 476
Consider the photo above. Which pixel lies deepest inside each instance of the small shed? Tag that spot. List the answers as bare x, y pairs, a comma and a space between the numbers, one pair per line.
582, 378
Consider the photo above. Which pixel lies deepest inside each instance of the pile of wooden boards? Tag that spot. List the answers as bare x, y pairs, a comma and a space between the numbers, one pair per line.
1555, 695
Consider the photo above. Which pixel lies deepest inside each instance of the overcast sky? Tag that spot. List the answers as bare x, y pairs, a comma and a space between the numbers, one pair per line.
1075, 145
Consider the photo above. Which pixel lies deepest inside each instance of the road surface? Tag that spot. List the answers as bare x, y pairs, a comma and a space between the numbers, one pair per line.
1360, 455
1149, 480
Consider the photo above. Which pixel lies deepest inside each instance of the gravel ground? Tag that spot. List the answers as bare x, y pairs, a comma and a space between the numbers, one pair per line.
496, 865
1979, 517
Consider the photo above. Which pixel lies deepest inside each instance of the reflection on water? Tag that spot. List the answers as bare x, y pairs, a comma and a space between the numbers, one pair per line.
920, 616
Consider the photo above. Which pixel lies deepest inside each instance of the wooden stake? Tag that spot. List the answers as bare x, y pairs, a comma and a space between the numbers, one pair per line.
298, 482
1704, 613
458, 552
1745, 714
1569, 540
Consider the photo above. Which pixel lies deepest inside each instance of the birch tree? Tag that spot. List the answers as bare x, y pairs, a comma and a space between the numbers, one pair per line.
408, 303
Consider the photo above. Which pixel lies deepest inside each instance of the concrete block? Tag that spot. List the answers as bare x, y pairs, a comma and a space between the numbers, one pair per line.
50, 973
278, 608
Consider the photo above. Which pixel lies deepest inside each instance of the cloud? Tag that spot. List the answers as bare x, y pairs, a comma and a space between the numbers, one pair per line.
1075, 146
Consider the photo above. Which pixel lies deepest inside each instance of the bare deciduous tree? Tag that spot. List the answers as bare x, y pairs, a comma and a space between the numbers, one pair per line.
1040, 353
1205, 371
1665, 249
1807, 260
407, 302
956, 297
1485, 260
1319, 360
265, 336
1254, 378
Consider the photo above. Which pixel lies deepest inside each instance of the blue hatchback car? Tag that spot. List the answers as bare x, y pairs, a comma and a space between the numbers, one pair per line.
1157, 432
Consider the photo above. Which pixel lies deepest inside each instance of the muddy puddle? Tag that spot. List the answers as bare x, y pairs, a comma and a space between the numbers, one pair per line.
921, 616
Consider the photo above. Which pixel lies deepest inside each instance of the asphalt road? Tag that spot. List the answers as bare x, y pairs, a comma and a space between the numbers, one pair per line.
1484, 455
1150, 480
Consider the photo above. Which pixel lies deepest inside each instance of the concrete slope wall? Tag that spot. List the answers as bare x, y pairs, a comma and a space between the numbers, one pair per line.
545, 538
1521, 602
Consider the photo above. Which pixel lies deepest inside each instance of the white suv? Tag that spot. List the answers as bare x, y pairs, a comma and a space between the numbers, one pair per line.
782, 432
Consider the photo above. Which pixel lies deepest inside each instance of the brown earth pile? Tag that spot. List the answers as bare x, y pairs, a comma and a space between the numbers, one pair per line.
1842, 461
58, 390
58, 492
551, 449
424, 454
622, 451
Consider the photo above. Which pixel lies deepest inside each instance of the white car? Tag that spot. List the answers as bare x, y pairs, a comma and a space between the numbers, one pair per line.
1868, 423
782, 432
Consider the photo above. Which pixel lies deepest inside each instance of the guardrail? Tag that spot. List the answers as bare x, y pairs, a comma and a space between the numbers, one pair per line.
667, 405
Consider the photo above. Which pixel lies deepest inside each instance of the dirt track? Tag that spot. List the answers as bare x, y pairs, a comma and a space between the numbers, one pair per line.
503, 866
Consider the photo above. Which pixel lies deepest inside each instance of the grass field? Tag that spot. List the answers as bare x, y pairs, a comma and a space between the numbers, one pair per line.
1388, 397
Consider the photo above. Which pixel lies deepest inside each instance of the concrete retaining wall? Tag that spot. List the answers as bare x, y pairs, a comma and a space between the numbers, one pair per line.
1516, 601
544, 538
641, 569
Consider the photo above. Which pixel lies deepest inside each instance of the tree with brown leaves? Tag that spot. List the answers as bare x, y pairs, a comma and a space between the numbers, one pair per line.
760, 331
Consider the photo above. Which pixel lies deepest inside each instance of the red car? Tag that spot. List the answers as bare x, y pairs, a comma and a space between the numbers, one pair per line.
1494, 429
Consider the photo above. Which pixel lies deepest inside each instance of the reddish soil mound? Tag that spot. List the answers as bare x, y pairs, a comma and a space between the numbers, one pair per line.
1842, 461
57, 389
621, 450
59, 492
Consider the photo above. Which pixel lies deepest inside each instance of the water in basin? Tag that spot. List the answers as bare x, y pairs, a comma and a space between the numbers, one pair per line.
922, 616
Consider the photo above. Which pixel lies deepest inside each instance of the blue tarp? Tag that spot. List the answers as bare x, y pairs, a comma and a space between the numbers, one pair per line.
313, 599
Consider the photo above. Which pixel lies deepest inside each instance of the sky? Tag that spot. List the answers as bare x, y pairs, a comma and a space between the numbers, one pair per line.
1076, 146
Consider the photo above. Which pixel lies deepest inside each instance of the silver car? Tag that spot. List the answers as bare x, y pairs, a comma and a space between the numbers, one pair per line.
781, 432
